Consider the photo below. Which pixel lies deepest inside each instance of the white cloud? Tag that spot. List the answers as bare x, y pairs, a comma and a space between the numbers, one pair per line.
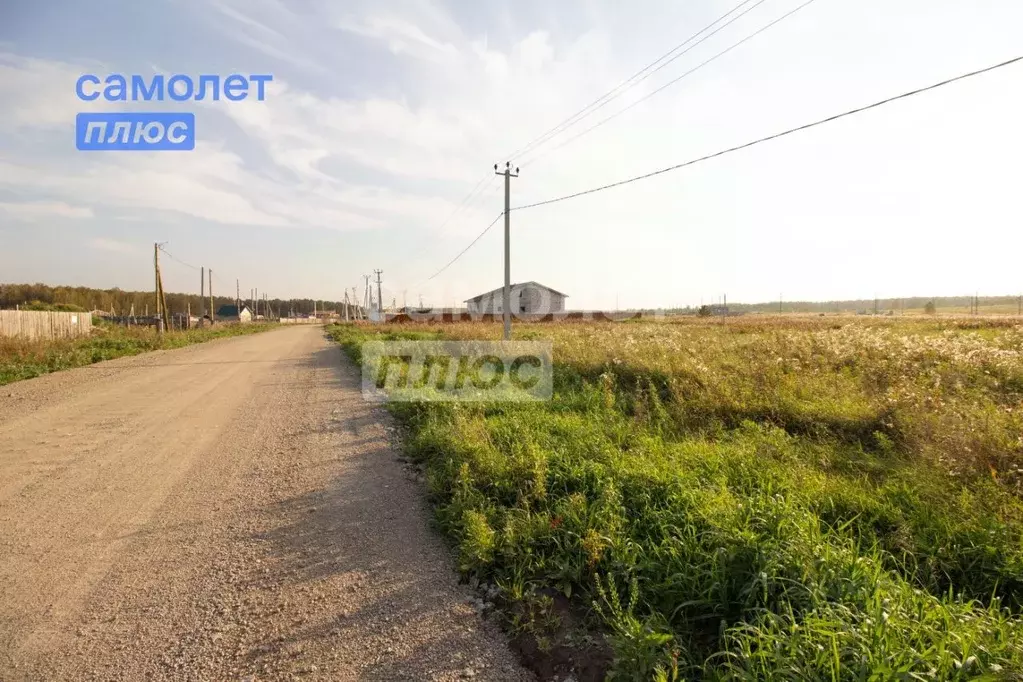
400, 36
37, 93
420, 102
104, 244
40, 211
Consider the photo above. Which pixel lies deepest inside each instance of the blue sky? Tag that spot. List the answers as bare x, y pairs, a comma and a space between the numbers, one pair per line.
383, 115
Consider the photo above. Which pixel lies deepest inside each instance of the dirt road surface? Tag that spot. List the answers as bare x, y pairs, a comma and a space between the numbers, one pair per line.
227, 511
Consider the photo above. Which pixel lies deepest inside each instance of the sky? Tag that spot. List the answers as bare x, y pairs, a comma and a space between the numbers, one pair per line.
383, 115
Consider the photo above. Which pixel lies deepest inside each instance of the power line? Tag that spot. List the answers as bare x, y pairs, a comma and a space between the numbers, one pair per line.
672, 81
173, 258
607, 97
639, 76
476, 192
776, 135
473, 242
472, 196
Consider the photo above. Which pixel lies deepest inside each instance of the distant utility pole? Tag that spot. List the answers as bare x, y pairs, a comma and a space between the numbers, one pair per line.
380, 295
367, 296
161, 298
238, 298
156, 275
213, 315
506, 305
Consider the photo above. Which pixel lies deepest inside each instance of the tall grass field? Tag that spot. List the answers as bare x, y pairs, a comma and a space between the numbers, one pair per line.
746, 499
24, 359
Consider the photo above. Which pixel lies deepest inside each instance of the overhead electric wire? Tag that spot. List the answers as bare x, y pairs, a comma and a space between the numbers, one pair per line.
775, 136
669, 83
639, 76
471, 244
469, 199
178, 260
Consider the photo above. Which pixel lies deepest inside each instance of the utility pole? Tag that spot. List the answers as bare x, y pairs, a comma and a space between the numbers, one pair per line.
506, 299
380, 296
367, 297
156, 275
238, 299
212, 312
161, 298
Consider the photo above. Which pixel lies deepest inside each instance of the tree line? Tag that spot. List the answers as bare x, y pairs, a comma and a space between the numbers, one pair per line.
120, 302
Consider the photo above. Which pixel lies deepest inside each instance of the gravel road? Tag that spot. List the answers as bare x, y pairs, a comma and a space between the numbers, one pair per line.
226, 511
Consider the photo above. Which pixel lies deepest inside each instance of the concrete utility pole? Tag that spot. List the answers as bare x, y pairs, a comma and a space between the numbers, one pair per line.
380, 296
506, 305
213, 314
156, 275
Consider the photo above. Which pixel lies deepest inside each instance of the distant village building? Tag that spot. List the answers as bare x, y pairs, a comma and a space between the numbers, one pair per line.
231, 313
527, 297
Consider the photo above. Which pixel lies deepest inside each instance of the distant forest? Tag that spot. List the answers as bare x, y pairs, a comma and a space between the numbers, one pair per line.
882, 305
43, 296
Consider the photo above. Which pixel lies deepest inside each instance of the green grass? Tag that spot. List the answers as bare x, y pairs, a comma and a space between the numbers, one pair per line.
787, 498
21, 359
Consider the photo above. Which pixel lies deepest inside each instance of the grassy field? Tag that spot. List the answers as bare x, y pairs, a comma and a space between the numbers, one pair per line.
750, 499
21, 359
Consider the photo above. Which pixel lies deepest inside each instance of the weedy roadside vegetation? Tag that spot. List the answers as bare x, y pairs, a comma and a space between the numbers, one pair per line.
24, 359
758, 498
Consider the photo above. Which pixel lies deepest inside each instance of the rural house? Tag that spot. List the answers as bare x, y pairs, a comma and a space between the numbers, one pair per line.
230, 313
527, 297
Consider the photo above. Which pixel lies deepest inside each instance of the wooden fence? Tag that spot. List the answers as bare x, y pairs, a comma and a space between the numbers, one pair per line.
44, 325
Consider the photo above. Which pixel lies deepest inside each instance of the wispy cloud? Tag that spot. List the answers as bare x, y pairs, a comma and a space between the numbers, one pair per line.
400, 36
104, 244
39, 211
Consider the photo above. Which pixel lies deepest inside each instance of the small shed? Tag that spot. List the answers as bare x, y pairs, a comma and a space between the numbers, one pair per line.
232, 313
